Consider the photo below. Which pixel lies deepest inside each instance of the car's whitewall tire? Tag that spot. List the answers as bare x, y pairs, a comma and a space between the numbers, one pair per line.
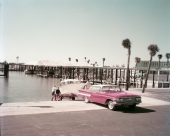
111, 105
86, 100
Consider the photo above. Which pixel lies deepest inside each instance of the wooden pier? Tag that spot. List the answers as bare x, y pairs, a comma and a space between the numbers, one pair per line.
97, 75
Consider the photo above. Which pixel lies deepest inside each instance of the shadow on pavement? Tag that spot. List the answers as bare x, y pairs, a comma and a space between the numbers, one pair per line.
32, 106
41, 106
136, 110
127, 110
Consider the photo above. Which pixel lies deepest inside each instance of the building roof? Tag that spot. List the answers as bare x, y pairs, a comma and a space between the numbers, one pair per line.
56, 63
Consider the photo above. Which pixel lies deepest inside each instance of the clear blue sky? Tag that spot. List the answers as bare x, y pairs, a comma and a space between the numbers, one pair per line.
58, 29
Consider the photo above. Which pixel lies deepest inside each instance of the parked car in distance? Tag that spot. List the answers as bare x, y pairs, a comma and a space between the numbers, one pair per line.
111, 95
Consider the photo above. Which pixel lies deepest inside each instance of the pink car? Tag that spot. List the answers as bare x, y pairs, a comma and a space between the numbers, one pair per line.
111, 95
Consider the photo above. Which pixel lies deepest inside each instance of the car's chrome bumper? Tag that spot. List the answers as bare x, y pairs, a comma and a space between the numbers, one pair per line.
126, 103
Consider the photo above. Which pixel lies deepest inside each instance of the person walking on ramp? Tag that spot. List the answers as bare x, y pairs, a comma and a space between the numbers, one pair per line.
53, 93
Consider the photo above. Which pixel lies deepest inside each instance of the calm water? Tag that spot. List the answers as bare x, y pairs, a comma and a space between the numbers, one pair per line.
20, 87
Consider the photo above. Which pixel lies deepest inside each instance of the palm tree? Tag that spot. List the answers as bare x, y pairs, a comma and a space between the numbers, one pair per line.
88, 61
103, 61
17, 58
167, 55
69, 59
96, 63
127, 44
137, 60
5, 62
76, 60
153, 49
122, 65
85, 59
159, 57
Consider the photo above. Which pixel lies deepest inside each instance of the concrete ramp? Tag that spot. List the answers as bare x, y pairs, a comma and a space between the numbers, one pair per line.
23, 108
46, 107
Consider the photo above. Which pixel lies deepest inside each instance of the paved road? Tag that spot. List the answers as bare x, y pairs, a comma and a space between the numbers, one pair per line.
75, 118
148, 121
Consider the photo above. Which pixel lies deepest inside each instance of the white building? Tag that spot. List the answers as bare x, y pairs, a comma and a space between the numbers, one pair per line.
155, 65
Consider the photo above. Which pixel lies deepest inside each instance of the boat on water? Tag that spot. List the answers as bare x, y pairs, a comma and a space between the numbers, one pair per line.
69, 88
27, 71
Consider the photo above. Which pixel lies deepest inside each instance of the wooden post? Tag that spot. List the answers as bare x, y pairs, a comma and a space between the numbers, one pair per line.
41, 70
116, 78
120, 73
83, 75
134, 78
101, 75
124, 76
142, 79
61, 72
32, 72
111, 75
96, 73
69, 72
87, 70
73, 72
6, 70
78, 72
93, 76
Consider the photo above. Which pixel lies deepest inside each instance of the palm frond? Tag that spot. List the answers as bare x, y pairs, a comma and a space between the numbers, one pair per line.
153, 49
167, 55
126, 43
159, 56
137, 59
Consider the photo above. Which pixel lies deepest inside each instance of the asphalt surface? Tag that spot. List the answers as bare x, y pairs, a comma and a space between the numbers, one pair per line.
150, 121
145, 120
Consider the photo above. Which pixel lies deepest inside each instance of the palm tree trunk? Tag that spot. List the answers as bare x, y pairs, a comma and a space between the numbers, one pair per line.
167, 69
135, 73
127, 73
103, 63
146, 79
158, 70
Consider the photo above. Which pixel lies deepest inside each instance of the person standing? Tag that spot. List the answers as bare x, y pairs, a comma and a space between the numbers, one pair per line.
53, 93
58, 94
88, 84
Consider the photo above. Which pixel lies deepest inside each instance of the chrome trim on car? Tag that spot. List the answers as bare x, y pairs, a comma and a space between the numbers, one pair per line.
84, 94
127, 100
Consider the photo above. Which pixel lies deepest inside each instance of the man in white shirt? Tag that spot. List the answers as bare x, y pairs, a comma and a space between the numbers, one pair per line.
54, 93
88, 84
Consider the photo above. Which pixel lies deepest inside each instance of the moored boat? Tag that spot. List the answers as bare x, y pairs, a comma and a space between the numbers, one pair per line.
29, 71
